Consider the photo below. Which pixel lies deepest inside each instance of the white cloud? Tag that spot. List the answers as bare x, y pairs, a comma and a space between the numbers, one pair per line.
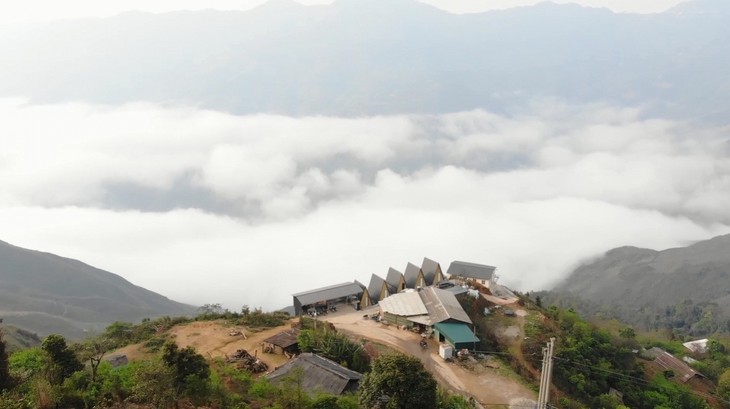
326, 200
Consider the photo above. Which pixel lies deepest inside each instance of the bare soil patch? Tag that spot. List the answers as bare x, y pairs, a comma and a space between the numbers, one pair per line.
484, 384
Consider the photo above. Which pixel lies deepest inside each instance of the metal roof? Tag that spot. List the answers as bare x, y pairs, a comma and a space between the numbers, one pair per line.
442, 305
456, 332
321, 374
375, 287
471, 270
667, 361
429, 268
284, 339
404, 304
393, 279
411, 275
328, 293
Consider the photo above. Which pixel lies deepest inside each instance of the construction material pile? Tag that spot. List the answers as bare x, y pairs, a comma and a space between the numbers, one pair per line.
243, 360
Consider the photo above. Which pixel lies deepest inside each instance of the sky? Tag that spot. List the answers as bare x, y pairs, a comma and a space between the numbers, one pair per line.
44, 10
211, 207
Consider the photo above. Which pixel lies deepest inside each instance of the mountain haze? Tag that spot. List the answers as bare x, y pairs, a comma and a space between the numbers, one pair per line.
357, 57
45, 293
678, 287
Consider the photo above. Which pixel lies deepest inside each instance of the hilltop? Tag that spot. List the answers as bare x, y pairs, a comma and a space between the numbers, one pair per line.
686, 288
45, 293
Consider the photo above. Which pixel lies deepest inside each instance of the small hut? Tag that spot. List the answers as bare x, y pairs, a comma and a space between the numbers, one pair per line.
284, 342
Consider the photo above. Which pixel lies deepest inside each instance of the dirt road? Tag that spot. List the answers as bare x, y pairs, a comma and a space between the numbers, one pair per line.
484, 385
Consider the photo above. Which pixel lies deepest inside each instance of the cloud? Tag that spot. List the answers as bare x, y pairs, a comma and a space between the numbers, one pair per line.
296, 203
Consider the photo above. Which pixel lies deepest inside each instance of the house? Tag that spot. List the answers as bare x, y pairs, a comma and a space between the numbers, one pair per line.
431, 310
698, 347
414, 277
405, 309
396, 282
285, 342
480, 273
318, 375
378, 289
675, 369
431, 271
352, 293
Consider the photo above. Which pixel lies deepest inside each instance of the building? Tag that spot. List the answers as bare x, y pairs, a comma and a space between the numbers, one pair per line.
433, 311
675, 369
480, 273
431, 271
405, 309
396, 282
319, 375
352, 293
284, 342
378, 289
414, 277
698, 347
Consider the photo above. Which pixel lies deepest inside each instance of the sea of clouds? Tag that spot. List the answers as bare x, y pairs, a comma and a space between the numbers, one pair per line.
206, 207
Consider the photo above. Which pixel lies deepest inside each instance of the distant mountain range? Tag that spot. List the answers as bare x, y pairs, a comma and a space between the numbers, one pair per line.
45, 293
686, 289
360, 57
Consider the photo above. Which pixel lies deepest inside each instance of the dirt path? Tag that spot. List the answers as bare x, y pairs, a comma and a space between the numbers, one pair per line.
485, 385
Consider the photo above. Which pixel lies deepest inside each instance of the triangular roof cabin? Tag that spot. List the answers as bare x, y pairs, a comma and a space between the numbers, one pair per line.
414, 276
365, 300
378, 289
396, 282
431, 271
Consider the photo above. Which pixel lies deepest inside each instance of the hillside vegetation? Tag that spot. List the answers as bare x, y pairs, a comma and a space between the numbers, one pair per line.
44, 293
685, 290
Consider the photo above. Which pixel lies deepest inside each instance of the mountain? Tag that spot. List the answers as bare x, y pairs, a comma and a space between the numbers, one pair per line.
366, 57
685, 288
45, 293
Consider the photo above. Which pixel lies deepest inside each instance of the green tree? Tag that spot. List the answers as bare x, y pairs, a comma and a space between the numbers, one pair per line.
93, 350
63, 359
154, 384
190, 370
398, 382
723, 385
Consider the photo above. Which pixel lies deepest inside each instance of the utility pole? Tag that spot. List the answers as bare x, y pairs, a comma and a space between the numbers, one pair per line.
546, 375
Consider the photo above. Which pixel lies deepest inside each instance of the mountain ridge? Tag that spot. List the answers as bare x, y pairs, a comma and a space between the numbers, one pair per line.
371, 58
676, 287
46, 293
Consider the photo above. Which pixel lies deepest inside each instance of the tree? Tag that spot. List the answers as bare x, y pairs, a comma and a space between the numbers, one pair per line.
723, 385
190, 370
62, 358
93, 350
398, 382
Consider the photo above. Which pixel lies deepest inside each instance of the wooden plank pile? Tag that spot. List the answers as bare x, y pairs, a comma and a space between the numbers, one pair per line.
243, 360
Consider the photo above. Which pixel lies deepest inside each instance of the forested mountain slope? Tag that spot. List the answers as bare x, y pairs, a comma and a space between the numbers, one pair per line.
45, 293
687, 288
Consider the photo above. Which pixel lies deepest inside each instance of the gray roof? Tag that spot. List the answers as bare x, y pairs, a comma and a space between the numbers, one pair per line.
393, 279
375, 286
429, 270
411, 275
321, 374
284, 339
471, 270
442, 305
328, 293
405, 304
